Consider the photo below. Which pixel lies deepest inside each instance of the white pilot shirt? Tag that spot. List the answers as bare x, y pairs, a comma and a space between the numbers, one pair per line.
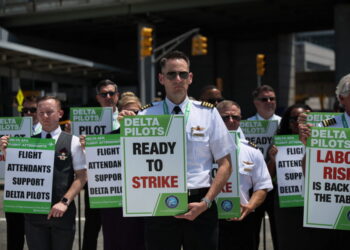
253, 171
37, 128
274, 117
213, 143
339, 121
78, 155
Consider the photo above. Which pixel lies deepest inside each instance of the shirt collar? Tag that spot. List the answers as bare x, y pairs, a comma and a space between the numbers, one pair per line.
347, 117
54, 134
171, 105
262, 118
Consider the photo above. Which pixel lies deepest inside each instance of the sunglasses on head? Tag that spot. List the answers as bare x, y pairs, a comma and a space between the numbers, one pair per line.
266, 99
171, 75
105, 94
30, 110
226, 118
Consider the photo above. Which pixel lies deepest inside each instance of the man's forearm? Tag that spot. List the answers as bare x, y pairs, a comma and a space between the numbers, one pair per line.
77, 184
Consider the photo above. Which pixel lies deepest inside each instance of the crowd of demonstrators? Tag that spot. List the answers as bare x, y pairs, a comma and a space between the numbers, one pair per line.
236, 233
199, 227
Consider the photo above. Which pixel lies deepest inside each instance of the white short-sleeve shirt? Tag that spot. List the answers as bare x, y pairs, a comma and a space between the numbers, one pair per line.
253, 171
339, 122
78, 156
274, 117
213, 143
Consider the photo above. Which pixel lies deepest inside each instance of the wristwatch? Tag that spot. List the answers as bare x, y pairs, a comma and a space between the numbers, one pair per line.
65, 201
207, 202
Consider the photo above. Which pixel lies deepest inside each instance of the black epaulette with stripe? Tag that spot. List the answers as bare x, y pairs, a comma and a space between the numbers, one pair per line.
146, 106
207, 105
329, 122
252, 144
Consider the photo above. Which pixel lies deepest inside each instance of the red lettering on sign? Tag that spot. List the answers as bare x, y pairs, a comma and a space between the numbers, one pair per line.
338, 157
227, 188
155, 182
334, 173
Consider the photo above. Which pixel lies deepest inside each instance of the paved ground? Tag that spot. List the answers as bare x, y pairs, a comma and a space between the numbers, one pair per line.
100, 240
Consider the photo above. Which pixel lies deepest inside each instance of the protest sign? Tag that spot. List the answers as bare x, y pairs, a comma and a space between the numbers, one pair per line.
228, 201
28, 175
16, 127
103, 158
91, 121
327, 197
259, 132
154, 165
289, 171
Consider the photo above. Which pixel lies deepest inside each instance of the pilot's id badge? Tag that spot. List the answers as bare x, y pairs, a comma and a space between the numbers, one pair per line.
197, 131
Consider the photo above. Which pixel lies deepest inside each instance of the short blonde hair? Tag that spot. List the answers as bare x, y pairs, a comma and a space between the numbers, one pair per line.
126, 100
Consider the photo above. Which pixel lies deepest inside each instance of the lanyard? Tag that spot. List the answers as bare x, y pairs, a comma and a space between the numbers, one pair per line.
187, 110
345, 123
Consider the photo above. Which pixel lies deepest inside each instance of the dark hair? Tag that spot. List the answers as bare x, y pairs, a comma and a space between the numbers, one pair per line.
45, 98
105, 83
173, 55
260, 89
284, 128
206, 88
30, 98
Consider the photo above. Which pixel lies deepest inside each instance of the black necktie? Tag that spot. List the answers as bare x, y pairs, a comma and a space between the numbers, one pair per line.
177, 110
48, 136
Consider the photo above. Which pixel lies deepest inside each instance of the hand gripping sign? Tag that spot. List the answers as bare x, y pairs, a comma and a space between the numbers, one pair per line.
327, 180
290, 176
154, 165
28, 175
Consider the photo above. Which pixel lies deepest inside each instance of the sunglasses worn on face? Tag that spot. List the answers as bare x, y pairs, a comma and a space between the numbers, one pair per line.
215, 100
226, 118
171, 75
266, 99
30, 110
105, 94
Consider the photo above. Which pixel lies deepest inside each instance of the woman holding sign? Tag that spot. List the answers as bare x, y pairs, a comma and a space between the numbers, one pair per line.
289, 212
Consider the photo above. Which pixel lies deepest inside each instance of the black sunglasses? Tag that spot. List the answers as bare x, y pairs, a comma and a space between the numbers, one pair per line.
171, 75
30, 110
266, 99
226, 118
105, 94
215, 100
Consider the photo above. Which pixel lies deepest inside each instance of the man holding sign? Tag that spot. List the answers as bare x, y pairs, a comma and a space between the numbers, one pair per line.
328, 185
56, 230
253, 173
207, 140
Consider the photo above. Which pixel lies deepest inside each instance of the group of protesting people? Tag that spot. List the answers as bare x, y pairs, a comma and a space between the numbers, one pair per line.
208, 141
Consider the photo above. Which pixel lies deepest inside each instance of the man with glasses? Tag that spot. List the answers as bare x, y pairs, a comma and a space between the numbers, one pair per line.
211, 94
236, 233
265, 104
108, 96
207, 140
29, 109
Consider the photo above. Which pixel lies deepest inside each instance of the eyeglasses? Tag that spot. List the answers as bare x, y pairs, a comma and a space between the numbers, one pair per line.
105, 94
266, 99
215, 100
171, 75
226, 118
30, 110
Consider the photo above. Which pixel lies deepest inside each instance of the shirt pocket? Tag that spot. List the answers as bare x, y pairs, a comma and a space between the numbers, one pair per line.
246, 168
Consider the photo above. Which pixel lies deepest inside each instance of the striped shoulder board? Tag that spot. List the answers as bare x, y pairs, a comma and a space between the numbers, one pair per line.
146, 106
207, 105
329, 122
252, 144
